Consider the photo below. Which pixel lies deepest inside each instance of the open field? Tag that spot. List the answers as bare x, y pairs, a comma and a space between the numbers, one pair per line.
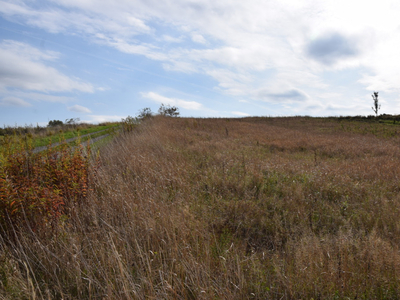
253, 208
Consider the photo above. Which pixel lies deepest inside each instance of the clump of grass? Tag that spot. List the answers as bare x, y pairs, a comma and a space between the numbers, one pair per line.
253, 208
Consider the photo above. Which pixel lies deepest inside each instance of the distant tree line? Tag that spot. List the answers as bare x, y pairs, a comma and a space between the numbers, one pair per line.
129, 123
164, 110
68, 122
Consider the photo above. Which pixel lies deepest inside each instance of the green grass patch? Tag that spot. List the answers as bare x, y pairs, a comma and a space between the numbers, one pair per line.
59, 136
54, 136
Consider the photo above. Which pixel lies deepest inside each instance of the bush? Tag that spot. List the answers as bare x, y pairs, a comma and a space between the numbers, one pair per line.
129, 123
37, 188
54, 123
145, 113
168, 111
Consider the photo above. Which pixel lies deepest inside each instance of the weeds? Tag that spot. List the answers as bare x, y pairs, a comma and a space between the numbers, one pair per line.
36, 189
254, 208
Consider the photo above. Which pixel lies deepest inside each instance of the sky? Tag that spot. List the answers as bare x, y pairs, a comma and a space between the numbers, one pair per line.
103, 60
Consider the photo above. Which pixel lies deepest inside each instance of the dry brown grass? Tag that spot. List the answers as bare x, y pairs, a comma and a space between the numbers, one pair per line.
258, 208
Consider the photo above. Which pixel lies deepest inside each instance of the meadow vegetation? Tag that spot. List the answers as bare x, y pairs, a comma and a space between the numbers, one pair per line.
43, 136
185, 208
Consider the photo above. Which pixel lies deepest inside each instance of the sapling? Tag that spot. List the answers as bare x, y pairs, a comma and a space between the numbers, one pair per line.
376, 106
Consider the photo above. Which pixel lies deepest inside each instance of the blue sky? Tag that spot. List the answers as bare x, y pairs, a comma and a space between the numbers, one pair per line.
104, 60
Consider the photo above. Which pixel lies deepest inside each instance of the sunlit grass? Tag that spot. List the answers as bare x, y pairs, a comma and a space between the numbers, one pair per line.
54, 136
252, 208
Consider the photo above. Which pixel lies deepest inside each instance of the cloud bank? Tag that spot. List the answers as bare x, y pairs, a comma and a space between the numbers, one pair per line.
13, 101
23, 66
332, 47
190, 105
287, 52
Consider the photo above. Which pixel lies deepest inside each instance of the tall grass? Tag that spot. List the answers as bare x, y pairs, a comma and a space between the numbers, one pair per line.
263, 208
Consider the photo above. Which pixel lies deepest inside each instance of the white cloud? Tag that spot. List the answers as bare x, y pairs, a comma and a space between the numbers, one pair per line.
239, 113
103, 118
14, 101
233, 83
190, 105
41, 97
251, 46
384, 65
138, 24
22, 66
92, 19
198, 38
79, 109
28, 52
122, 45
180, 66
171, 39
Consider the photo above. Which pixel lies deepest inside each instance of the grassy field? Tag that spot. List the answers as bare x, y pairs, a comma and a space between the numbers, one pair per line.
48, 136
253, 208
57, 136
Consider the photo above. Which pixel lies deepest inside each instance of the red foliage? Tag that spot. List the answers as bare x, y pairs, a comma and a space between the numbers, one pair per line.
37, 188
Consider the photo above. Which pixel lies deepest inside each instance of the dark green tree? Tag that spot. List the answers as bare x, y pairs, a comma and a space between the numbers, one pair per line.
145, 113
376, 106
72, 121
168, 111
54, 123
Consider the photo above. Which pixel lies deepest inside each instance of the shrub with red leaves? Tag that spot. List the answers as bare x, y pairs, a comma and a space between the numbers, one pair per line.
37, 188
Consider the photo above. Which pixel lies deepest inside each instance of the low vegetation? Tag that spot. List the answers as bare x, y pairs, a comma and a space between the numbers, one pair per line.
43, 136
182, 208
36, 189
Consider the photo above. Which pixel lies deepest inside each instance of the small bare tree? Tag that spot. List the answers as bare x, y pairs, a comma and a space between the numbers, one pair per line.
376, 106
